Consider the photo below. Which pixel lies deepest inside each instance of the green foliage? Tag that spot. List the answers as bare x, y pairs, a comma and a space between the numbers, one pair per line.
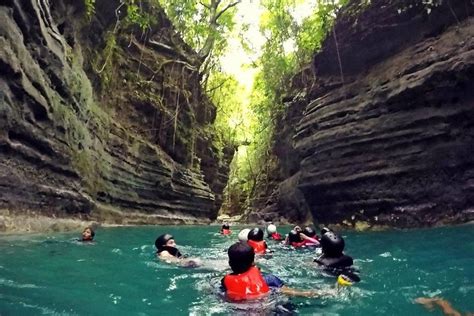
290, 44
136, 16
192, 19
104, 61
90, 8
231, 122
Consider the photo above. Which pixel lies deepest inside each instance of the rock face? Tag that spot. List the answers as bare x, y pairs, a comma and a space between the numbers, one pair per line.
99, 118
385, 135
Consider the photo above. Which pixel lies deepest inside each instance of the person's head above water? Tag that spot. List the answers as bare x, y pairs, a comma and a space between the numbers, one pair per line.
309, 231
241, 257
165, 240
294, 236
88, 234
271, 229
167, 243
255, 234
332, 244
243, 234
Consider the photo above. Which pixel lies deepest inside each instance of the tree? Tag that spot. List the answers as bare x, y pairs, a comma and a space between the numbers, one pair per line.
204, 25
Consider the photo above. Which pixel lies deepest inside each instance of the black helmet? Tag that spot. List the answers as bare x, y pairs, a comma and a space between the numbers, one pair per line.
255, 234
294, 236
332, 244
308, 231
161, 241
324, 230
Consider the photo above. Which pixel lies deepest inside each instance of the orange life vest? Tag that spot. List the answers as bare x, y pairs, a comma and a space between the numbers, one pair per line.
249, 285
259, 247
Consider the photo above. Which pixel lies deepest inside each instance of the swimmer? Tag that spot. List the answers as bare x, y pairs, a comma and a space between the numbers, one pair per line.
297, 229
272, 232
334, 261
167, 251
294, 239
309, 237
444, 305
88, 235
246, 282
255, 240
225, 229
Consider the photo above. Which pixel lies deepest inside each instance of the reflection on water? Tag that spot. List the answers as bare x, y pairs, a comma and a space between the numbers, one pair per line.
118, 274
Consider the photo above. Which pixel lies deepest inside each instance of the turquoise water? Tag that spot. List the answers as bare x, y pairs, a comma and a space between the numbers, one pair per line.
118, 274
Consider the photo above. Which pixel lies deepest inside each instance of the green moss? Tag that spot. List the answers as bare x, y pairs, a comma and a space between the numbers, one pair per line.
85, 124
103, 61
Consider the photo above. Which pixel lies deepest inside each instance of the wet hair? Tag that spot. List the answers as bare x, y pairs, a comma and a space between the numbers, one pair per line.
92, 231
241, 257
294, 236
308, 231
255, 234
332, 244
161, 241
225, 226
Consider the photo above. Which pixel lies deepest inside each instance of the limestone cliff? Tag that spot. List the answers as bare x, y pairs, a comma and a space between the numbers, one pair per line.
384, 133
101, 119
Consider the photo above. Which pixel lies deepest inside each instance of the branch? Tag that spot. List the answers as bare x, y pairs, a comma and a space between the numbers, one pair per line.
205, 5
230, 5
215, 14
218, 86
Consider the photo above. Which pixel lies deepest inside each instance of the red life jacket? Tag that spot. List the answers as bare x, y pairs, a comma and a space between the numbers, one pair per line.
249, 285
259, 247
226, 232
298, 244
275, 236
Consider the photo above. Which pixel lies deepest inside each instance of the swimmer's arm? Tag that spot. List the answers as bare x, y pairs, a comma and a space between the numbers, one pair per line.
294, 292
442, 303
190, 262
313, 240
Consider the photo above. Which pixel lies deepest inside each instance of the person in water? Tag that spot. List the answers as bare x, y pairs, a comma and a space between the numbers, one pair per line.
298, 238
445, 306
334, 261
255, 240
167, 251
272, 232
225, 229
296, 230
246, 282
309, 236
88, 235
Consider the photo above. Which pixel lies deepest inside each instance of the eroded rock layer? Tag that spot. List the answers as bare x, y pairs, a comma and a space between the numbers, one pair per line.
98, 120
385, 134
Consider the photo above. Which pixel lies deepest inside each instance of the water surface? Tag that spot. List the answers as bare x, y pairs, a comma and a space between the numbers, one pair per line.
119, 275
